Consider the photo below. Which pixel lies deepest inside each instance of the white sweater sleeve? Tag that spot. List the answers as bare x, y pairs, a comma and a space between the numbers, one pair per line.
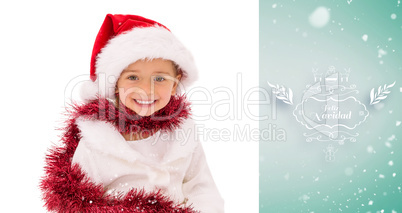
199, 187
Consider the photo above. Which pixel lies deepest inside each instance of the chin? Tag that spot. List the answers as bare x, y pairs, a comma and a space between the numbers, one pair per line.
145, 114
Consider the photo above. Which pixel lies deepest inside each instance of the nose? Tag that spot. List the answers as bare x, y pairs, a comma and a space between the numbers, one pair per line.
146, 87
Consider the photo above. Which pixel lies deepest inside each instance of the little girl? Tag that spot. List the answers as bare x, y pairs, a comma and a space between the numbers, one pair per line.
132, 146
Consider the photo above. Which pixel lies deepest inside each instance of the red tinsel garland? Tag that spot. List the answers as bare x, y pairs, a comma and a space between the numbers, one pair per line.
66, 188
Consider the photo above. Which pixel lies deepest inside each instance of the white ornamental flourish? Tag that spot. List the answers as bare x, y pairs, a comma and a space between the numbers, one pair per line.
381, 94
281, 93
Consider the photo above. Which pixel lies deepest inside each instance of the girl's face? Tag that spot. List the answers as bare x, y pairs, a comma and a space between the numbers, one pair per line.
147, 85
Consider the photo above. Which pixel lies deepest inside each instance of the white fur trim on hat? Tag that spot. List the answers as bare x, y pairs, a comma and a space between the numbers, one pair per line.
127, 48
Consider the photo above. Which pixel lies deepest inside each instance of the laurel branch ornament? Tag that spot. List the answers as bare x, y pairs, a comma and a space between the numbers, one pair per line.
281, 93
381, 94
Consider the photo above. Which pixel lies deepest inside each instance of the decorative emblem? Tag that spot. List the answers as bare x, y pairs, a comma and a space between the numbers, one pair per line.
329, 109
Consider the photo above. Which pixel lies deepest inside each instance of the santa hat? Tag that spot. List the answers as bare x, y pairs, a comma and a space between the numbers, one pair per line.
124, 39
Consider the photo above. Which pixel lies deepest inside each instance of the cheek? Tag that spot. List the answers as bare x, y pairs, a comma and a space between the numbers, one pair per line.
166, 93
123, 98
166, 90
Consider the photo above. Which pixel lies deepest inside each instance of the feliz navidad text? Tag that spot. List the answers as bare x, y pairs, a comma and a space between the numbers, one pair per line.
333, 112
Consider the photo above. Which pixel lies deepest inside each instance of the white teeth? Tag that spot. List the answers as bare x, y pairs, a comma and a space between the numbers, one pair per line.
144, 102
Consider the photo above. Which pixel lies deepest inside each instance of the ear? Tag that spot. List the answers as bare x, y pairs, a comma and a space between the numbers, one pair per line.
116, 88
176, 83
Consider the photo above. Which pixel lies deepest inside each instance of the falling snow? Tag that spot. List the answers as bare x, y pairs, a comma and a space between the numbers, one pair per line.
320, 17
370, 149
365, 37
304, 198
381, 53
388, 144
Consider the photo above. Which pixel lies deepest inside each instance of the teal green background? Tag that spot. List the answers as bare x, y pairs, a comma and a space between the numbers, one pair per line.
294, 175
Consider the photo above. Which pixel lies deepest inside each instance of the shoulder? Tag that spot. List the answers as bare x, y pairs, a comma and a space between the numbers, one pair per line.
189, 127
98, 135
189, 123
95, 128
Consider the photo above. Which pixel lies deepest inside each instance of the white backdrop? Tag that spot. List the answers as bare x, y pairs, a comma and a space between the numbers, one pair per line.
45, 47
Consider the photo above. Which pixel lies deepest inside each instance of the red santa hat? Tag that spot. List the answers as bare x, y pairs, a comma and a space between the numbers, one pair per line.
124, 39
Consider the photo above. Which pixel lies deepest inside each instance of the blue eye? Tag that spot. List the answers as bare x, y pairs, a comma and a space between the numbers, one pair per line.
159, 78
132, 77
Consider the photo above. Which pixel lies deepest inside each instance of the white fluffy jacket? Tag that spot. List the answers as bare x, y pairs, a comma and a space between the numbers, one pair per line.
173, 162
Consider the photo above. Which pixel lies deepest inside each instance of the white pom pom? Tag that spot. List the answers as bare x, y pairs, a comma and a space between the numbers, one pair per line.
89, 91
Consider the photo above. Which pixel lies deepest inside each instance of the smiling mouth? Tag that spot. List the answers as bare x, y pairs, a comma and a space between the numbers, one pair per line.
142, 102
